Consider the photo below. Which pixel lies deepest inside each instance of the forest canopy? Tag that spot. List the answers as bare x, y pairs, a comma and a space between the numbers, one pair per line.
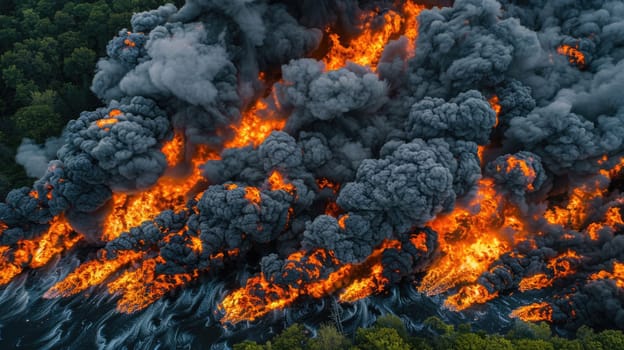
48, 52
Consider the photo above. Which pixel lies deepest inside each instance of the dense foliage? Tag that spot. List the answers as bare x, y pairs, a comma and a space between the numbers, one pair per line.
48, 51
389, 333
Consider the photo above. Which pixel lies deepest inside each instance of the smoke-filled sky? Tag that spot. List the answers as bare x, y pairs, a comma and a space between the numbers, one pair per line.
255, 160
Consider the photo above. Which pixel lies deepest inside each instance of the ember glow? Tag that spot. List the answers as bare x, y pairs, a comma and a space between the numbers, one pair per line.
575, 56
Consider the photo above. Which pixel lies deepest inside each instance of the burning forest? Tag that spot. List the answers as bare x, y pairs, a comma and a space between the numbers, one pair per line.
257, 161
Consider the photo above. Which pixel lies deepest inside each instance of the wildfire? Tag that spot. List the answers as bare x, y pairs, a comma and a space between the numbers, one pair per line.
252, 194
331, 207
560, 267
517, 164
367, 47
92, 273
617, 275
261, 296
253, 129
495, 103
277, 183
168, 193
575, 56
174, 150
535, 312
469, 242
468, 296
575, 213
141, 287
37, 252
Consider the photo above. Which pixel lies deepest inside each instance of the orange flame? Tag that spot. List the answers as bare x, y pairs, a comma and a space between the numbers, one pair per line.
252, 194
617, 275
260, 296
575, 213
91, 274
575, 56
37, 252
174, 149
535, 312
367, 47
277, 183
141, 287
168, 193
469, 242
252, 129
495, 103
561, 267
342, 222
106, 123
516, 163
468, 296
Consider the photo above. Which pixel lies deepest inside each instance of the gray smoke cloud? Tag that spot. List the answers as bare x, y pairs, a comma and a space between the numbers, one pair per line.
35, 158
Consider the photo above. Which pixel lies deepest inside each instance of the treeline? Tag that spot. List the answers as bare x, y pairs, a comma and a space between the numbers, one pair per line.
390, 333
48, 51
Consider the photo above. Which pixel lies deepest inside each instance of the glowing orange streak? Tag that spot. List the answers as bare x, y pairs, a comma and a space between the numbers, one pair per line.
342, 222
277, 183
560, 267
575, 213
469, 242
617, 275
537, 281
253, 130
168, 193
106, 122
367, 47
92, 273
516, 163
575, 56
469, 296
37, 252
141, 287
174, 149
252, 194
495, 103
535, 312
260, 296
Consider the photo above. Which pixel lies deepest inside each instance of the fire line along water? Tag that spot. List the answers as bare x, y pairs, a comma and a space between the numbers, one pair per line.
255, 162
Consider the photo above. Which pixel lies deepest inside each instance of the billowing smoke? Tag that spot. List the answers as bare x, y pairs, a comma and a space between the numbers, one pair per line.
471, 152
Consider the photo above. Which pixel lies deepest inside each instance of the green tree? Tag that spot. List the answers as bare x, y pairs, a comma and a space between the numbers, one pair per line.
532, 344
39, 119
328, 337
566, 344
394, 322
497, 342
248, 345
380, 339
437, 325
79, 64
292, 338
611, 339
523, 329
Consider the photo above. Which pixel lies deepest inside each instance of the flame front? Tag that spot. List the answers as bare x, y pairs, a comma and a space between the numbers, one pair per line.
367, 47
534, 313
37, 252
469, 241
